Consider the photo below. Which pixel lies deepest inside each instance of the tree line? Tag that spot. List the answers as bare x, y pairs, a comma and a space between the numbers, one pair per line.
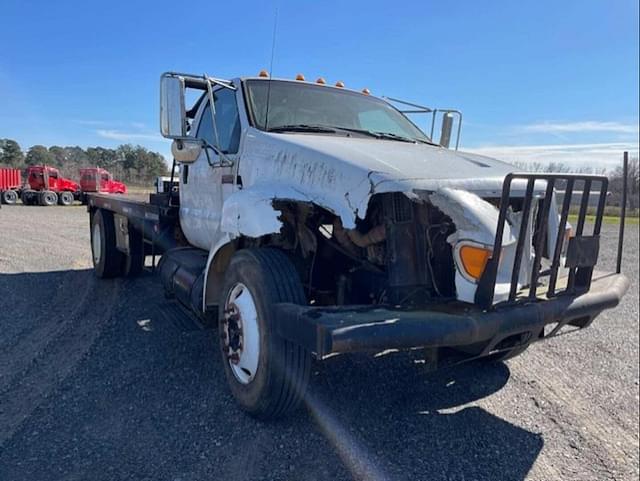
132, 164
137, 165
616, 179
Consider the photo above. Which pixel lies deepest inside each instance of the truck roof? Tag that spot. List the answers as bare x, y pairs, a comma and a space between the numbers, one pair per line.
40, 167
295, 81
199, 81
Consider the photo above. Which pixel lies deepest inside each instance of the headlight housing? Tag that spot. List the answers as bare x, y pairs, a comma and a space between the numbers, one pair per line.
471, 258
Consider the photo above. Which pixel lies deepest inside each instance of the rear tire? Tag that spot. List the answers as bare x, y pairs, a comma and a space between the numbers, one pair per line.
28, 197
48, 198
107, 259
66, 198
275, 378
9, 197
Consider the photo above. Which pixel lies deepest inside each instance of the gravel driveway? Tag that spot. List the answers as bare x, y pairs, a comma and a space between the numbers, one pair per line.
108, 380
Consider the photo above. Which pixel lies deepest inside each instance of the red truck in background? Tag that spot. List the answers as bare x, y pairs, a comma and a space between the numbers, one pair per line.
97, 180
48, 187
45, 186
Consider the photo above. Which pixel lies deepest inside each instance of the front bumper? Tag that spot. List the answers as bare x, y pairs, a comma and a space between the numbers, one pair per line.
333, 330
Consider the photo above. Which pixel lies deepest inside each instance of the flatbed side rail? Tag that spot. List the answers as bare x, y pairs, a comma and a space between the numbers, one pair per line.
582, 249
156, 222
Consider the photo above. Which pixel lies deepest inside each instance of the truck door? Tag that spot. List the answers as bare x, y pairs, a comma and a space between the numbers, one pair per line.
204, 184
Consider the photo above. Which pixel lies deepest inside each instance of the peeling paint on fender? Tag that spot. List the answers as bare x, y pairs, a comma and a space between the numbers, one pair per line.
477, 220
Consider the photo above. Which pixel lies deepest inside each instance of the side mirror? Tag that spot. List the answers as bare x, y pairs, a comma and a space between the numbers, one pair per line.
172, 110
447, 128
186, 150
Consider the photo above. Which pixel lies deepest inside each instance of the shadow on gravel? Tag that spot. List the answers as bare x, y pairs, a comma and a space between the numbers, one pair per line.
147, 399
395, 421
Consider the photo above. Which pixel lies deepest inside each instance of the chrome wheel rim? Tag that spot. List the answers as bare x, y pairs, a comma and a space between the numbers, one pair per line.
241, 333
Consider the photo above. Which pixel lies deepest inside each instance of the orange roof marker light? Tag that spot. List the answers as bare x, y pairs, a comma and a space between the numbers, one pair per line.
300, 77
366, 91
263, 73
340, 84
321, 81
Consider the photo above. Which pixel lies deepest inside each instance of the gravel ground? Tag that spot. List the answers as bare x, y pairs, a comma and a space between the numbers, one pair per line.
107, 380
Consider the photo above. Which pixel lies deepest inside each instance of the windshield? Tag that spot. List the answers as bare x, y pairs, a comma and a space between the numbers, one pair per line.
303, 104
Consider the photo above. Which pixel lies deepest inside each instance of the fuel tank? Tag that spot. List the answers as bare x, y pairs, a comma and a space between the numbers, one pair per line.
181, 272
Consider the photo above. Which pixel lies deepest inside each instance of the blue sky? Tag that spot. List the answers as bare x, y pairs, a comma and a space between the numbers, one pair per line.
536, 80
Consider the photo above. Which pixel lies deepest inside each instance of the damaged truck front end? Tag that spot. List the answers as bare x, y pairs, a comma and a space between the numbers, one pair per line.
460, 275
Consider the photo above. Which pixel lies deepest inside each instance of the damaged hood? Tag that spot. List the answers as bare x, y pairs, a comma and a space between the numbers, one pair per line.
341, 173
418, 166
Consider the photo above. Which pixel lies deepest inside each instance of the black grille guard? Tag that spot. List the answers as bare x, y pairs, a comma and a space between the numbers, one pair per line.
582, 250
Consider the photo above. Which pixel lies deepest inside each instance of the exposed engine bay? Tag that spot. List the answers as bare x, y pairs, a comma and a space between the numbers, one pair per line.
397, 255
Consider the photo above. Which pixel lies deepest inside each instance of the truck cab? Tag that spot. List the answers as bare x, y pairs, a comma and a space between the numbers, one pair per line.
314, 220
48, 187
96, 179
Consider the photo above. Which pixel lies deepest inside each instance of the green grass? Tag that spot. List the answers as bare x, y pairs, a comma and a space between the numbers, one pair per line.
140, 189
607, 219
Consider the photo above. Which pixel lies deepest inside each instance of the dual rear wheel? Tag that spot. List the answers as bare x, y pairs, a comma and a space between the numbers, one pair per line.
108, 260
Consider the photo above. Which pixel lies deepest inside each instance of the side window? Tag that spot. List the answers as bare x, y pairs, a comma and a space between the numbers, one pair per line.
227, 122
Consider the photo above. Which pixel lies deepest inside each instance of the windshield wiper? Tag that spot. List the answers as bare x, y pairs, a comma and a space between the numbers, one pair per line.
302, 128
358, 131
390, 136
323, 129
384, 135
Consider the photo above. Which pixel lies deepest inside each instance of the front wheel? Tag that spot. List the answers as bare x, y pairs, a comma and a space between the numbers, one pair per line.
267, 375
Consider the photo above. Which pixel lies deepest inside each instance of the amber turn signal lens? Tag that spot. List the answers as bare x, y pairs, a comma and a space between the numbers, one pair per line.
474, 260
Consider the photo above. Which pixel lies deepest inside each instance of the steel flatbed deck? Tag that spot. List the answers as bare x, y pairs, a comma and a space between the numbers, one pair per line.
155, 219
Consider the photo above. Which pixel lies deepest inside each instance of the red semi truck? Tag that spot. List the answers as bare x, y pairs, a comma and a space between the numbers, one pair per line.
48, 187
97, 180
45, 185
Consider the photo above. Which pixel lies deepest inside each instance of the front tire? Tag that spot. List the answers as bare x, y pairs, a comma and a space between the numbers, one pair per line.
267, 375
107, 259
